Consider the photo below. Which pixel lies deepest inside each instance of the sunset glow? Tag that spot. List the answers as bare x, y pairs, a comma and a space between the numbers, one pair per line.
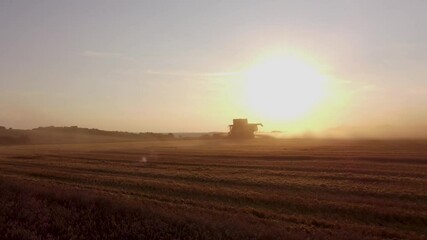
339, 69
284, 88
236, 119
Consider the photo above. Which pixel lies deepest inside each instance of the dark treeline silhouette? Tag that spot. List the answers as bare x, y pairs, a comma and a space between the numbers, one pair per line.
74, 134
8, 136
94, 131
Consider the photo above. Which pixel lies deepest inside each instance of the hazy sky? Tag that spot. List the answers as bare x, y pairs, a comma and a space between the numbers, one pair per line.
174, 65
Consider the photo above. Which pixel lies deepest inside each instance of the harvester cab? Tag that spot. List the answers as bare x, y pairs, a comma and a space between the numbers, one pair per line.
242, 129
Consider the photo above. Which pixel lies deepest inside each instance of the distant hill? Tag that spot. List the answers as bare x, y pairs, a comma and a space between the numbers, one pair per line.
200, 135
74, 134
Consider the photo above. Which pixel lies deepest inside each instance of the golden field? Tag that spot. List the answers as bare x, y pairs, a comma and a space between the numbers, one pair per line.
215, 189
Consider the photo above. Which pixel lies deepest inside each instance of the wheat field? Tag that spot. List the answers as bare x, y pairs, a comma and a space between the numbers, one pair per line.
215, 189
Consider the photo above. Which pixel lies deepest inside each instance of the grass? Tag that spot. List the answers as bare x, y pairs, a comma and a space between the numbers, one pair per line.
215, 189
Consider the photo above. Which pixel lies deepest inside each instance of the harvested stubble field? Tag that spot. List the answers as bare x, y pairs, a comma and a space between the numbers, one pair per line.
215, 189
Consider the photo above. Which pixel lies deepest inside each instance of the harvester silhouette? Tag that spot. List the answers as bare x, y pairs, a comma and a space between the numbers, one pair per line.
241, 129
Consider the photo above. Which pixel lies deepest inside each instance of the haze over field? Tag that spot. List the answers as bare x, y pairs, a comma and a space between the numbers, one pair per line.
213, 119
345, 68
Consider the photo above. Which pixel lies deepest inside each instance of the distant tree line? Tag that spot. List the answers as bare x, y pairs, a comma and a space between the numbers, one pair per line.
94, 131
10, 137
213, 136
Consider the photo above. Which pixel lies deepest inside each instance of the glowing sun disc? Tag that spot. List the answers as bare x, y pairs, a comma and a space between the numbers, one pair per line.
283, 88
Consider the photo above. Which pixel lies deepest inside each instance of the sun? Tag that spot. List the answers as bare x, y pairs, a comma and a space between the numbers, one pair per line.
284, 88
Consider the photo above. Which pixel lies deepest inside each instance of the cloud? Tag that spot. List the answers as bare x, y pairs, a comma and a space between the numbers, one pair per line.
96, 54
193, 74
110, 55
369, 87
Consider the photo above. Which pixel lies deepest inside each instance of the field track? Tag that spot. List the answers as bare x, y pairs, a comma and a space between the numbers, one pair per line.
325, 189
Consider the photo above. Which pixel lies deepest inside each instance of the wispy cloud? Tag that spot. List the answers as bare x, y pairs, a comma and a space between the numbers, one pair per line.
369, 87
97, 54
193, 74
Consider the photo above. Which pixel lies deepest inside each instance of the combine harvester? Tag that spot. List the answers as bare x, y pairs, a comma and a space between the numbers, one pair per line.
241, 129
